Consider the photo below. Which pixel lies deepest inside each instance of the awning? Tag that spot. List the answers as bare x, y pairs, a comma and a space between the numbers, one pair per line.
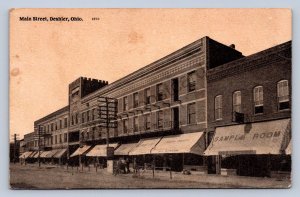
60, 153
44, 154
288, 150
144, 146
124, 149
51, 153
100, 150
25, 155
80, 151
183, 143
37, 155
270, 137
33, 154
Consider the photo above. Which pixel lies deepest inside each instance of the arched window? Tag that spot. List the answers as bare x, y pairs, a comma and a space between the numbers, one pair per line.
283, 95
258, 97
218, 107
237, 101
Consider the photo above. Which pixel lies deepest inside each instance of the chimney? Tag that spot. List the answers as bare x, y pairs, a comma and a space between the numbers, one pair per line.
232, 46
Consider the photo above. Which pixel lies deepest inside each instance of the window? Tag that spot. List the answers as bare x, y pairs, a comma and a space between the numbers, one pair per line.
159, 92
60, 124
147, 122
258, 95
125, 103
135, 100
88, 116
283, 95
191, 81
55, 125
66, 122
82, 117
76, 119
136, 124
160, 119
65, 137
60, 138
93, 114
52, 127
55, 139
218, 107
191, 113
147, 96
236, 101
125, 126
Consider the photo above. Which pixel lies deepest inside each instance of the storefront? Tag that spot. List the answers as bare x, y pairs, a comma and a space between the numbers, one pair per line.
181, 152
98, 154
254, 149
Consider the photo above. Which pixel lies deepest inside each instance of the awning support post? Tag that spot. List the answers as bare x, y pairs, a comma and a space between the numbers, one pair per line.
182, 161
153, 166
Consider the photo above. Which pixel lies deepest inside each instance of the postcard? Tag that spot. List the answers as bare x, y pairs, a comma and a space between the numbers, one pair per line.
150, 98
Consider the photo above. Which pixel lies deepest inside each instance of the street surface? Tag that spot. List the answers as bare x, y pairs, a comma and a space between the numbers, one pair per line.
55, 177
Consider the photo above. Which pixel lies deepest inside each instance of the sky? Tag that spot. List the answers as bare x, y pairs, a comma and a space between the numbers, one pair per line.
45, 56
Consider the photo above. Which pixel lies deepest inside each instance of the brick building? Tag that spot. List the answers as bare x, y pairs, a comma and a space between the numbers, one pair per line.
254, 90
169, 99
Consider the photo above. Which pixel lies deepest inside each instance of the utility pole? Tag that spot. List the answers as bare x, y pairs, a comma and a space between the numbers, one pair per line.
107, 123
39, 144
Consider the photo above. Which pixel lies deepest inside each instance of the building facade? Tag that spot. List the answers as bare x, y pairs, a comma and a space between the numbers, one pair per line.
194, 89
253, 90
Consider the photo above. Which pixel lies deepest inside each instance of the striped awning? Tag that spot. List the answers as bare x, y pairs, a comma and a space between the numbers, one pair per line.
100, 150
81, 151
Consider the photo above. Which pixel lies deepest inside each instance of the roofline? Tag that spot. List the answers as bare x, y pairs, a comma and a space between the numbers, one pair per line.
247, 59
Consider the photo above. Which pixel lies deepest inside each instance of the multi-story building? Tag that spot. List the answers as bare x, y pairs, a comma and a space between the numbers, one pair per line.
184, 92
251, 96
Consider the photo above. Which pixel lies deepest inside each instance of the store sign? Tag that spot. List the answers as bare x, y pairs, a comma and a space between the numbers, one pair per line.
265, 135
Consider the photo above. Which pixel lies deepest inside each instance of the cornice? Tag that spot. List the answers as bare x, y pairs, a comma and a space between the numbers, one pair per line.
260, 59
184, 52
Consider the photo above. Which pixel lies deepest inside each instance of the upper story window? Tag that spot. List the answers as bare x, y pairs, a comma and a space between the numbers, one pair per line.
125, 103
147, 122
66, 122
65, 137
60, 124
147, 96
135, 100
160, 119
76, 119
237, 101
283, 95
191, 113
258, 97
125, 126
135, 124
191, 81
93, 114
159, 92
82, 117
218, 107
88, 116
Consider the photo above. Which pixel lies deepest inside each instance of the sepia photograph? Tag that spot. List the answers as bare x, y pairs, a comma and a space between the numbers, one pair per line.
150, 98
